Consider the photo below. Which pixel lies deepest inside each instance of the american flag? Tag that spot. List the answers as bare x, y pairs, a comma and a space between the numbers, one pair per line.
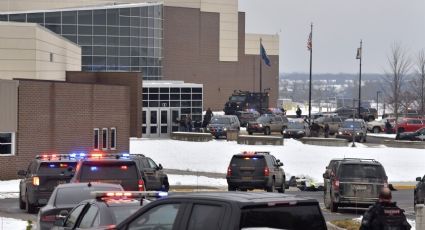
309, 43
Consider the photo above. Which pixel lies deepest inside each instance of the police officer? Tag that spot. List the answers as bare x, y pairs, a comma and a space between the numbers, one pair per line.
384, 215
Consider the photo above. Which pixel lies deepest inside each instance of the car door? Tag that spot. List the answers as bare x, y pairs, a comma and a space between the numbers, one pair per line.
277, 171
208, 215
73, 217
276, 125
149, 171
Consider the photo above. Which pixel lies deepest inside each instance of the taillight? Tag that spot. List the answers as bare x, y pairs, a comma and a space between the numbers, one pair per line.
335, 184
36, 181
385, 184
229, 171
141, 185
266, 171
49, 218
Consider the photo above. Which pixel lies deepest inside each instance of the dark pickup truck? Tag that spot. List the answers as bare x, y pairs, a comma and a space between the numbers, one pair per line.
227, 210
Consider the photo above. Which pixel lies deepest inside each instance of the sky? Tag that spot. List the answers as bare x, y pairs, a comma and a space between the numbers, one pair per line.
338, 27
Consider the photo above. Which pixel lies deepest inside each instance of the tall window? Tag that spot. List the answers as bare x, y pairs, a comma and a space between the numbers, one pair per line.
96, 139
113, 138
7, 145
104, 138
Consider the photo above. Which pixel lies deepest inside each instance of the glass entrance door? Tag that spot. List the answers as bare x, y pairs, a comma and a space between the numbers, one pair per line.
153, 123
164, 120
175, 115
144, 122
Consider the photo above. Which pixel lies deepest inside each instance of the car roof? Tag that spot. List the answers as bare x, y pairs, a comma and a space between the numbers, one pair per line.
93, 184
355, 120
247, 198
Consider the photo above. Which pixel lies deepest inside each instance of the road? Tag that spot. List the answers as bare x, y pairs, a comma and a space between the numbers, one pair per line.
404, 198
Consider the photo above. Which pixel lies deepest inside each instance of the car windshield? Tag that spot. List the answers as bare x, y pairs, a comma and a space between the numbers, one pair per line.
111, 170
263, 119
283, 217
361, 171
220, 120
237, 98
248, 161
56, 168
74, 195
295, 125
351, 124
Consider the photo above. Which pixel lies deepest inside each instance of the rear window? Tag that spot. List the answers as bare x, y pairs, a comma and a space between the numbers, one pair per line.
109, 170
220, 120
55, 167
361, 171
73, 196
283, 217
247, 161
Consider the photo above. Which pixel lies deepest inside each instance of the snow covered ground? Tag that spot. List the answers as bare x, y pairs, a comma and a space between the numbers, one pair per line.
9, 189
392, 136
10, 223
400, 164
196, 181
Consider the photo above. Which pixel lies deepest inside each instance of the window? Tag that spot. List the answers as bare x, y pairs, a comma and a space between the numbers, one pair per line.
104, 138
113, 138
51, 57
89, 217
206, 217
96, 139
159, 217
73, 216
7, 143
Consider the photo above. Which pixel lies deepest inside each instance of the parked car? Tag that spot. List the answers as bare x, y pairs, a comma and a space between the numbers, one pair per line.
267, 123
419, 191
247, 116
346, 112
228, 211
152, 174
220, 124
296, 129
44, 173
350, 127
379, 126
354, 183
418, 135
255, 170
334, 122
406, 124
109, 168
368, 114
67, 196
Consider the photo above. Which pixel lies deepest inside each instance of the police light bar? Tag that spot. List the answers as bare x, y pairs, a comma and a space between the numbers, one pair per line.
128, 194
255, 152
53, 156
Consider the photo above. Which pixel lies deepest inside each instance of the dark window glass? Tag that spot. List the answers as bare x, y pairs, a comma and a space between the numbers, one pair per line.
196, 110
85, 30
135, 11
142, 61
153, 97
99, 40
96, 139
112, 61
145, 103
186, 90
197, 96
135, 51
112, 30
164, 90
99, 30
112, 51
361, 171
74, 195
17, 17
153, 90
150, 11
53, 18
196, 90
113, 138
5, 138
135, 32
196, 103
122, 212
164, 97
89, 217
153, 104
125, 31
144, 11
124, 61
69, 29
185, 103
69, 17
124, 20
174, 103
124, 51
86, 60
51, 167
36, 18
86, 50
162, 215
86, 68
85, 40
99, 17
85, 17
112, 17
54, 28
175, 90
4, 18
6, 149
73, 216
104, 136
175, 96
185, 111
112, 41
134, 61
135, 21
125, 41
101, 61
185, 96
283, 217
206, 217
118, 170
125, 11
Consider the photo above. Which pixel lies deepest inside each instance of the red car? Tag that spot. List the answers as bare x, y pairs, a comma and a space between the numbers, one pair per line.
406, 124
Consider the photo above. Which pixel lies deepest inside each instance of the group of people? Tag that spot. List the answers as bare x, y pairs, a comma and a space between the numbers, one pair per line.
186, 124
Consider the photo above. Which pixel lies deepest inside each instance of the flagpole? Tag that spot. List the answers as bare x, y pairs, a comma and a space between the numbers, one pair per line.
360, 76
311, 61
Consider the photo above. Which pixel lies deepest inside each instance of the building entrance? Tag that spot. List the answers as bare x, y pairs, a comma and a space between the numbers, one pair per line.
160, 122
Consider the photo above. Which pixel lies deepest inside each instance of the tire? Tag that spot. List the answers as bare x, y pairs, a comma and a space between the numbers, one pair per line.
272, 188
400, 130
230, 188
267, 131
249, 133
166, 184
21, 202
333, 205
282, 188
376, 130
30, 208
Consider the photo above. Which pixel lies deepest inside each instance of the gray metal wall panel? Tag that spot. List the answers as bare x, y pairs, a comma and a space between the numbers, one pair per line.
8, 105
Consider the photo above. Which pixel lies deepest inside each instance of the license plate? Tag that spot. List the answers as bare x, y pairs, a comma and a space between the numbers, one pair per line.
359, 187
247, 178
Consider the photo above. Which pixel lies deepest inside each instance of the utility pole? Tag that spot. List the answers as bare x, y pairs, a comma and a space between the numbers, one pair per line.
360, 74
310, 47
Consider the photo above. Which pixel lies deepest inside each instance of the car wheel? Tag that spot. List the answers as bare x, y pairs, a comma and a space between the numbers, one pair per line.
267, 131
282, 188
400, 130
30, 208
21, 202
230, 188
165, 185
333, 205
376, 130
272, 188
249, 133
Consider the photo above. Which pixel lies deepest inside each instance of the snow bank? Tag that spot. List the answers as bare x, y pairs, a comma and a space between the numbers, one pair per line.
10, 223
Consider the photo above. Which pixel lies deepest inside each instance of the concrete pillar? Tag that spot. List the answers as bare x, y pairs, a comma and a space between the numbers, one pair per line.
420, 217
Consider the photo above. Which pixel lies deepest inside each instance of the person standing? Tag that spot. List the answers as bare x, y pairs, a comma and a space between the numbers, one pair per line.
384, 214
388, 127
298, 112
188, 123
326, 129
207, 118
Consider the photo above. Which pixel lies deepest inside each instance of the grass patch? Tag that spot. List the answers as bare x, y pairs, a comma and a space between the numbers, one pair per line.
347, 224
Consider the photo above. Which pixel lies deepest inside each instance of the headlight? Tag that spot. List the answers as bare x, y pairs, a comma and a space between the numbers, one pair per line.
260, 125
357, 133
340, 133
225, 129
300, 132
284, 131
208, 128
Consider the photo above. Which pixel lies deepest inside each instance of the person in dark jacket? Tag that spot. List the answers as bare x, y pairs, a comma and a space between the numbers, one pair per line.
384, 215
314, 129
298, 112
326, 129
207, 118
388, 126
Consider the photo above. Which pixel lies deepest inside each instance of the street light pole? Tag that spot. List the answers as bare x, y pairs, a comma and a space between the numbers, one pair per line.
360, 76
354, 115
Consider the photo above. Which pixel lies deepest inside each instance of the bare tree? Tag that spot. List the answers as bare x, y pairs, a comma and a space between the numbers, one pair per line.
419, 80
399, 66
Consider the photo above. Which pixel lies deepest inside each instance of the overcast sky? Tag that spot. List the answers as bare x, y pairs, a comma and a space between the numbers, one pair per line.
338, 27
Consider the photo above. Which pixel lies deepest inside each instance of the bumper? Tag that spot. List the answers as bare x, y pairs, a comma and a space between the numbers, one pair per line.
255, 129
348, 137
248, 184
39, 198
296, 136
218, 133
352, 201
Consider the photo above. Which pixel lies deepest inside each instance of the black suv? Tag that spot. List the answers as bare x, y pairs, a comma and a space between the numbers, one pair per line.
419, 192
152, 174
109, 168
44, 173
228, 211
353, 182
255, 170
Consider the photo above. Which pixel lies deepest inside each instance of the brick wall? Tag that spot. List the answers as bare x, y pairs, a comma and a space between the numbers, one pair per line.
191, 53
60, 117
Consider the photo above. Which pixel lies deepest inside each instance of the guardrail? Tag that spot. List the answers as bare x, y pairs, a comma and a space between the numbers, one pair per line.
405, 144
259, 140
324, 141
188, 136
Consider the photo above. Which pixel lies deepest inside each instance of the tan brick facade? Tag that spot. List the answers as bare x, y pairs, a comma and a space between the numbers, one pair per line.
59, 117
191, 54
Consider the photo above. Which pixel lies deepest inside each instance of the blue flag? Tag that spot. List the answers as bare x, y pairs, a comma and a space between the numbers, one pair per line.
264, 55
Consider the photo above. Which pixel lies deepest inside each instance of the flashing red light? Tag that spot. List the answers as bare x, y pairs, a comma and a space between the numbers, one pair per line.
266, 171
124, 167
141, 185
44, 156
229, 171
63, 165
96, 155
49, 218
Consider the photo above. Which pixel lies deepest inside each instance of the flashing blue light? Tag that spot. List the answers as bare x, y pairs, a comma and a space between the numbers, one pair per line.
73, 155
126, 155
162, 194
93, 168
82, 154
254, 158
52, 165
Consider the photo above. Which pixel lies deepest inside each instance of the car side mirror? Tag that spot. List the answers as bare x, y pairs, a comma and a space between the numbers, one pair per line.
160, 167
326, 175
279, 164
277, 160
22, 173
418, 179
